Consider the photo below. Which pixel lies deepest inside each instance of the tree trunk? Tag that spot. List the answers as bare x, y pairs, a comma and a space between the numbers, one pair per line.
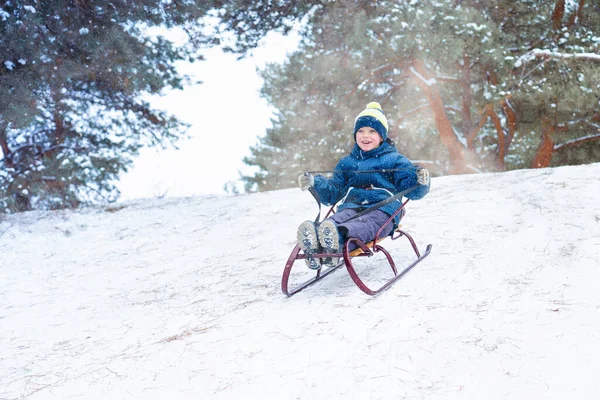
558, 14
4, 146
426, 81
467, 96
472, 134
576, 15
543, 155
501, 154
504, 139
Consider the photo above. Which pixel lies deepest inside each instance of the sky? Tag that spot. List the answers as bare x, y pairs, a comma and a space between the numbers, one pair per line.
180, 298
226, 114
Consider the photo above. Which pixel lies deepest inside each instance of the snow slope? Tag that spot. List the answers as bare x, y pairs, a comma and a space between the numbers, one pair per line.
181, 299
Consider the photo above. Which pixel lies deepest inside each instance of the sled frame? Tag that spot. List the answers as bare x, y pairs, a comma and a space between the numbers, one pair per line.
346, 256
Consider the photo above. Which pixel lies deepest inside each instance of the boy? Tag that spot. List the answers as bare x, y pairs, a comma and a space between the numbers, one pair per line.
357, 191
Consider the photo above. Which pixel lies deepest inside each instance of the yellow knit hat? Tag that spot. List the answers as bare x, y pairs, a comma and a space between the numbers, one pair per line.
373, 117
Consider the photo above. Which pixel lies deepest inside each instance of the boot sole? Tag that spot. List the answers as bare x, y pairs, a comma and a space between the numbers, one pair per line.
309, 243
329, 238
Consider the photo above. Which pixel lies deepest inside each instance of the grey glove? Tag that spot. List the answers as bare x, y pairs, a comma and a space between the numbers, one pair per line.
423, 177
305, 181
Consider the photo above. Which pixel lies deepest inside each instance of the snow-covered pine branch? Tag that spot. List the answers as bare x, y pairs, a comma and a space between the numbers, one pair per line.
428, 82
545, 53
576, 141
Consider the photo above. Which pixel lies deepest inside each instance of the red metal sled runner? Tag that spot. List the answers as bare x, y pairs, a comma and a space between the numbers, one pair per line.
362, 250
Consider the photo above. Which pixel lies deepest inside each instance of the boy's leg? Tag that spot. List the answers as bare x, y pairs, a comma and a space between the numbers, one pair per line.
366, 227
343, 215
330, 237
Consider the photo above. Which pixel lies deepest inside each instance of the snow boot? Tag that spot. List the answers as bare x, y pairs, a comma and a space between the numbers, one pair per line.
309, 243
331, 241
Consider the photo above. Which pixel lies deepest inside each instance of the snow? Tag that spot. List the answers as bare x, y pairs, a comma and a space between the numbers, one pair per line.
180, 299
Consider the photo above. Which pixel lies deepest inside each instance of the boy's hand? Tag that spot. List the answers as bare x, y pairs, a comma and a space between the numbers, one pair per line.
423, 177
305, 181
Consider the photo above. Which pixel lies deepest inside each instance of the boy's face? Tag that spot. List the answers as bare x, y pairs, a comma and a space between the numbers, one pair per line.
368, 138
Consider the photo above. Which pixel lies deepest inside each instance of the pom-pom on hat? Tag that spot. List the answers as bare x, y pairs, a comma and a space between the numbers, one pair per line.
373, 117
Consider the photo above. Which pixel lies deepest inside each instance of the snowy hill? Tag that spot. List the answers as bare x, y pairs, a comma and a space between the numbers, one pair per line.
181, 299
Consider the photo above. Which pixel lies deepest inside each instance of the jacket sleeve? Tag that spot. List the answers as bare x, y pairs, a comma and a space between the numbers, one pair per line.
407, 178
332, 190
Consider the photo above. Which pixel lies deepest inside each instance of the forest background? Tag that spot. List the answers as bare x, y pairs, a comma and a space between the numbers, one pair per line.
468, 86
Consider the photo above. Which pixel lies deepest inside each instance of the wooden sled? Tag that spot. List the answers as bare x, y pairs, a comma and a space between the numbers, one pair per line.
362, 250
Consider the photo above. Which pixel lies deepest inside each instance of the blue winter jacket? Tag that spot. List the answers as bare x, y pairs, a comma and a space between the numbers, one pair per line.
362, 190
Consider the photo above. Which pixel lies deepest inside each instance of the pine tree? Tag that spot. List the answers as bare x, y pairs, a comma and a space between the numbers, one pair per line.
74, 76
462, 84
